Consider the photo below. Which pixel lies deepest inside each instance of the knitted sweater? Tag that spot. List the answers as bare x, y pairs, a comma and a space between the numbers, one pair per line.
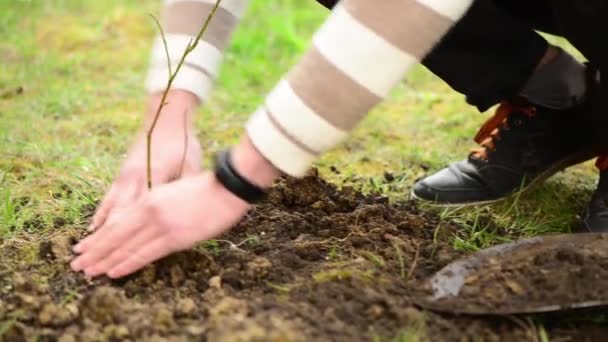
359, 54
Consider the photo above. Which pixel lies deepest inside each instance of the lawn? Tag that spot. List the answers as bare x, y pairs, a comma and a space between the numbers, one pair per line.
71, 98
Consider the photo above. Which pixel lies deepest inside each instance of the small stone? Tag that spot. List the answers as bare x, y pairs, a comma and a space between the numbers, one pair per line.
215, 282
185, 307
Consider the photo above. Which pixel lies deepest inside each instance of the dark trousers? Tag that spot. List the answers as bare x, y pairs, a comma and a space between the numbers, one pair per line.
490, 54
585, 23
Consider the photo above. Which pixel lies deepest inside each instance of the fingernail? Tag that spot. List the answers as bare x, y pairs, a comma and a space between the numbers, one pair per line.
89, 272
77, 248
76, 265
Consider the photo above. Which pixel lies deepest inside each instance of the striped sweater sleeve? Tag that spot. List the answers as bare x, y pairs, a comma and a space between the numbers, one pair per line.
181, 21
360, 53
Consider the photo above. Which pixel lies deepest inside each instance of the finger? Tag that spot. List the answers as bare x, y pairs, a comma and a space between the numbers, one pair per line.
143, 237
146, 254
107, 239
119, 216
104, 208
127, 197
118, 197
88, 242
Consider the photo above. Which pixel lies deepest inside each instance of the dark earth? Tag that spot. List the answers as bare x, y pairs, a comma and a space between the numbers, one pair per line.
312, 263
540, 274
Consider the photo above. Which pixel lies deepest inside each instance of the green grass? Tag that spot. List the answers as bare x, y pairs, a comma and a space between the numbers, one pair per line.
82, 65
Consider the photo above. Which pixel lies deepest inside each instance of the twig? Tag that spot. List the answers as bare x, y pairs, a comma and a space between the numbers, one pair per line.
414, 263
162, 36
183, 162
335, 239
191, 46
400, 257
237, 246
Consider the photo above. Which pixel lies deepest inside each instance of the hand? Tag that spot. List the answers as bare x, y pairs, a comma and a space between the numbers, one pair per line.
170, 218
168, 159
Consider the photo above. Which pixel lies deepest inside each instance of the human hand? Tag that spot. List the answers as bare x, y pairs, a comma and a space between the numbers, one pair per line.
173, 156
170, 218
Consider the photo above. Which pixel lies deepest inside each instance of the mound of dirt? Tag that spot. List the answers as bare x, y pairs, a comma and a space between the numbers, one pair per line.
542, 273
312, 263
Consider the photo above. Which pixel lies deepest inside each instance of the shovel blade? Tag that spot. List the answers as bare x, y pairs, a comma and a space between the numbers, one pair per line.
541, 274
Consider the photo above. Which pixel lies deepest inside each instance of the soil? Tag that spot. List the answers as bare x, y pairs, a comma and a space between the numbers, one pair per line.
312, 263
563, 271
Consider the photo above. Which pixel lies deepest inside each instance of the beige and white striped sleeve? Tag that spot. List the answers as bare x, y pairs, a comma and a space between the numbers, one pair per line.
181, 21
360, 53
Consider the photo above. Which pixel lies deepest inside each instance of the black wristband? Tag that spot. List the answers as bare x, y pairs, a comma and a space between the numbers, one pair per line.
234, 182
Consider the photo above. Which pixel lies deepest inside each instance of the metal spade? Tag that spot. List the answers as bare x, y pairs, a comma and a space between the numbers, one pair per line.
577, 282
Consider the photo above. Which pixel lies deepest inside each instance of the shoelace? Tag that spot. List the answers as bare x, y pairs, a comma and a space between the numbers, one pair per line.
602, 162
489, 133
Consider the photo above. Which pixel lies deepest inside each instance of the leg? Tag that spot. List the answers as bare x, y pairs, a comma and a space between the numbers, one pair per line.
488, 55
487, 65
492, 55
582, 23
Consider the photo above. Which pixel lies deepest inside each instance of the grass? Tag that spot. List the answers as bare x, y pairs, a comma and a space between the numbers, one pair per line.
82, 64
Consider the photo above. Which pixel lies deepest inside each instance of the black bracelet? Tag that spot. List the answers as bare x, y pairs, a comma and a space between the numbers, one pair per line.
234, 182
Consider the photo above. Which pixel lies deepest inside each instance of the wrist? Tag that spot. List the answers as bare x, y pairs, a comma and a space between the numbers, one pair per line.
179, 105
253, 166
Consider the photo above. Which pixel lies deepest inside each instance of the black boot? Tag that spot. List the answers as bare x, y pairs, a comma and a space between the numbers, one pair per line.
521, 145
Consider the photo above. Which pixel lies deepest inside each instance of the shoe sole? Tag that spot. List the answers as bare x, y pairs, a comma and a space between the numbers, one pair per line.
559, 166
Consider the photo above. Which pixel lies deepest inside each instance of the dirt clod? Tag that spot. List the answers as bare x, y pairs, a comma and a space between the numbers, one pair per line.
104, 305
56, 315
57, 248
185, 307
545, 272
215, 282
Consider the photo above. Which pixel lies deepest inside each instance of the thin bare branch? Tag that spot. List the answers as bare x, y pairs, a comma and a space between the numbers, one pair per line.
191, 46
183, 162
162, 35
